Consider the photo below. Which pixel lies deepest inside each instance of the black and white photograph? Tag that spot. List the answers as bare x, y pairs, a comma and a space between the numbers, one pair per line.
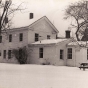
43, 44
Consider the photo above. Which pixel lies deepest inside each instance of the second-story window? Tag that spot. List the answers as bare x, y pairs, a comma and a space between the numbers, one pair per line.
0, 39
10, 38
21, 37
36, 37
48, 36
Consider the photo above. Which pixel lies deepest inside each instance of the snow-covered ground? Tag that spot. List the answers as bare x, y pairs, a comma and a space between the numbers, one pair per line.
37, 76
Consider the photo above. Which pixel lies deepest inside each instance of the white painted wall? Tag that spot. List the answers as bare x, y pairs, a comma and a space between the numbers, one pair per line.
6, 45
51, 54
43, 29
81, 56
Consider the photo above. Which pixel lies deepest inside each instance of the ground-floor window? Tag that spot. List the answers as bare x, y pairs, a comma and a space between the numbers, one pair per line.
9, 54
87, 54
69, 53
4, 54
40, 52
0, 52
0, 39
61, 54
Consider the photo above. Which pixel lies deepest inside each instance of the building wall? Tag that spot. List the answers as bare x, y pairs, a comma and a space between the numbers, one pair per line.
62, 46
81, 56
43, 29
48, 55
6, 45
51, 54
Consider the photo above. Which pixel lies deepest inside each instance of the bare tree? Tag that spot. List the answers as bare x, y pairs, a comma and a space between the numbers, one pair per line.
79, 12
7, 10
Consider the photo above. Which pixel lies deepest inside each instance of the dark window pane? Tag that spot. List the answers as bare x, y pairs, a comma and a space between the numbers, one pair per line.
40, 52
61, 54
69, 56
4, 54
87, 54
31, 15
0, 39
48, 36
21, 37
10, 38
36, 37
0, 53
9, 54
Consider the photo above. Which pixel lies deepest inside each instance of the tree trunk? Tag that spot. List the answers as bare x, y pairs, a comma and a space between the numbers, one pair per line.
77, 37
77, 32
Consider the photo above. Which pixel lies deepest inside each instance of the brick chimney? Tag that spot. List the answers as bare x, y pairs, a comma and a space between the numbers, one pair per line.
67, 33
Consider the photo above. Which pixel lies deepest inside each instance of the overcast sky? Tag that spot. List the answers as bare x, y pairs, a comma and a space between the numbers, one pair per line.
53, 9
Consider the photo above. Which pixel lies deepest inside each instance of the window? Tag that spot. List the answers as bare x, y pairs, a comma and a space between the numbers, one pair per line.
48, 36
21, 37
0, 39
0, 53
69, 53
40, 52
61, 54
36, 37
4, 54
87, 54
10, 38
9, 54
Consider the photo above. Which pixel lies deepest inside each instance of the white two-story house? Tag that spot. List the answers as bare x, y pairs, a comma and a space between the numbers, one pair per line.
19, 37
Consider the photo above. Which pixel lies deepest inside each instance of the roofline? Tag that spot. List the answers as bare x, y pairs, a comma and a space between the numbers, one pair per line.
32, 24
52, 24
31, 45
48, 20
16, 29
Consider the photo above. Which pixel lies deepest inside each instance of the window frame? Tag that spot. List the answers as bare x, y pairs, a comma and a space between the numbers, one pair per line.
41, 52
61, 54
48, 36
10, 38
0, 53
4, 54
87, 53
21, 37
0, 39
69, 53
9, 54
36, 37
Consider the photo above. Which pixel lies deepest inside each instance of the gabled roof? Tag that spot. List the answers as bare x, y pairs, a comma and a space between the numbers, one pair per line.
45, 18
28, 27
